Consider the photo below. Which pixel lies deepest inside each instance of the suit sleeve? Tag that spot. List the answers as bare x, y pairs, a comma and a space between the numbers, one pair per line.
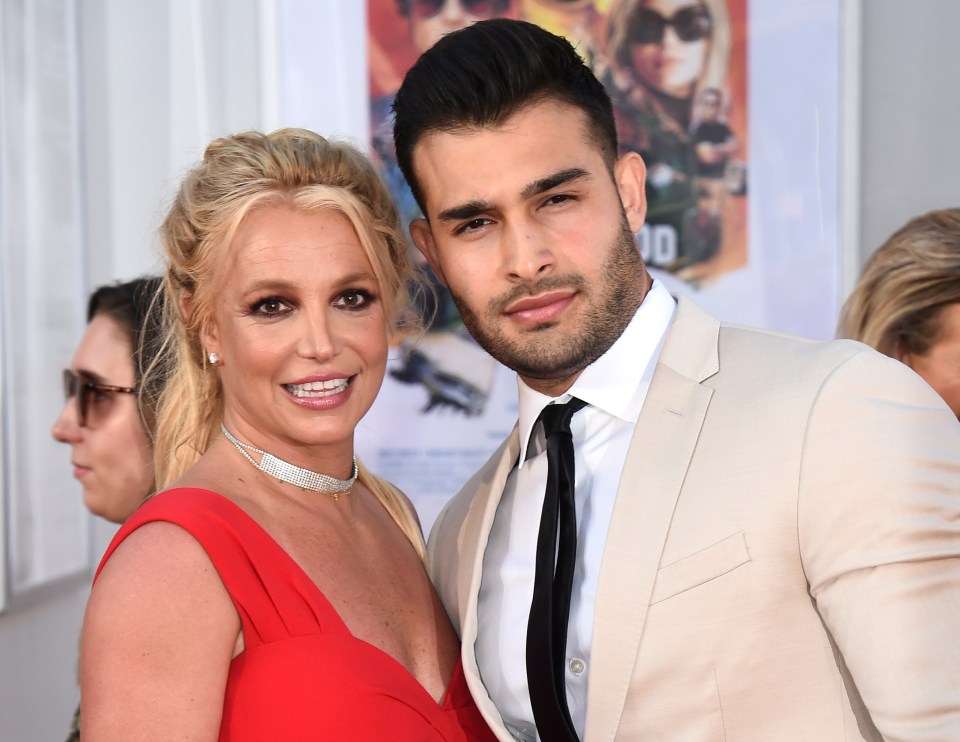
879, 533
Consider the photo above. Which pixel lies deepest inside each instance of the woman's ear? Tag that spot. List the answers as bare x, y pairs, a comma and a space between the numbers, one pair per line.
186, 305
630, 175
901, 353
209, 338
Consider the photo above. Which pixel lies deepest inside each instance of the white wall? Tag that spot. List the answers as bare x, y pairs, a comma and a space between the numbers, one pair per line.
910, 116
160, 81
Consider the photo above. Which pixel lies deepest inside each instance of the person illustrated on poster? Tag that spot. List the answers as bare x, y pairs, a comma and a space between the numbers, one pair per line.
658, 57
427, 21
431, 364
575, 20
701, 231
714, 144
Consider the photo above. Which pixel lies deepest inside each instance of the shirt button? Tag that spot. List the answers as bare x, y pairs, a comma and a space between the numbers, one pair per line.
577, 666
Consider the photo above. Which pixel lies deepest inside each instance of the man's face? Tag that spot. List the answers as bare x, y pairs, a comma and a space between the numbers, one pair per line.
527, 229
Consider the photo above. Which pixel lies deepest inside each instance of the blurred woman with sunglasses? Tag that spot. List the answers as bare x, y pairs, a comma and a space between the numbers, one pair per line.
108, 416
275, 589
658, 56
108, 425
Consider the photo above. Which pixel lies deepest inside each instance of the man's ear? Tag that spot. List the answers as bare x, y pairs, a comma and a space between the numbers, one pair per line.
630, 175
423, 238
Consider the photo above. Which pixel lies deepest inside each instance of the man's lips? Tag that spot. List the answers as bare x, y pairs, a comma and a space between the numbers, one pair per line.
535, 310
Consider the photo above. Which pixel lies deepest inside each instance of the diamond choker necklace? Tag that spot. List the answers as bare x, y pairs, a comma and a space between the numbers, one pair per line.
287, 472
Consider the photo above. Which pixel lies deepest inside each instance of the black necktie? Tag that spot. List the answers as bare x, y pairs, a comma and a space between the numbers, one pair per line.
550, 608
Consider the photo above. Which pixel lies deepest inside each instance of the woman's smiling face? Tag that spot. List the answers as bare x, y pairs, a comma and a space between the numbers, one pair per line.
299, 327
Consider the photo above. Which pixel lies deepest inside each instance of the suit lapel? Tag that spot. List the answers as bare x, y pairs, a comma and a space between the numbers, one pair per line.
657, 461
474, 534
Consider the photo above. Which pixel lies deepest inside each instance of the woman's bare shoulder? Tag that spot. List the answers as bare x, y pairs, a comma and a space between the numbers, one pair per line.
159, 633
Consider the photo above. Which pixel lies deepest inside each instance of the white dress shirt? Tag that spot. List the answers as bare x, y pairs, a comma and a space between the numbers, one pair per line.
614, 388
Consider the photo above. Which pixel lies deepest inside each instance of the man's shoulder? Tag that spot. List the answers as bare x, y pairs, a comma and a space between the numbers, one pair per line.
765, 359
796, 347
793, 355
766, 341
748, 352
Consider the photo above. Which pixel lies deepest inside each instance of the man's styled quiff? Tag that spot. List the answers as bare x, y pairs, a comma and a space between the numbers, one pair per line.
482, 75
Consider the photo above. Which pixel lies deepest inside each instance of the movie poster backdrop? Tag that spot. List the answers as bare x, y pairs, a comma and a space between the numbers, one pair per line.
678, 83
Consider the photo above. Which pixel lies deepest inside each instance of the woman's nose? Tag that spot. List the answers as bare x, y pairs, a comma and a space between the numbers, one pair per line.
66, 428
317, 338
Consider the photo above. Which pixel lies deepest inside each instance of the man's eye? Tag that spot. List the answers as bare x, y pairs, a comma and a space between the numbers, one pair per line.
473, 225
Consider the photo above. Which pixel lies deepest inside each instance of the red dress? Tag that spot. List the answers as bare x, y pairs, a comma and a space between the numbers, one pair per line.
302, 674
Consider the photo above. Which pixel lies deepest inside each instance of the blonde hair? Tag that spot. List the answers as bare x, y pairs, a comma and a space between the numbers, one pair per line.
905, 284
292, 167
616, 47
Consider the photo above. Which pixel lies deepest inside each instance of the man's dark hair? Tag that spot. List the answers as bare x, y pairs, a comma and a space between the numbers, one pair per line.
482, 75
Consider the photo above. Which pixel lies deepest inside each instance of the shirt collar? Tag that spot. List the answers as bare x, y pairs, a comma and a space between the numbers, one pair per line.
611, 383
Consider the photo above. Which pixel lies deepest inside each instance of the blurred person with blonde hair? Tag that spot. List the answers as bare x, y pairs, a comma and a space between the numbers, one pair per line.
907, 301
275, 588
658, 57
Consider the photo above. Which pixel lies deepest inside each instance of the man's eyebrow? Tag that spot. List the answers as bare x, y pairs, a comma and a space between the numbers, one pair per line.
552, 181
464, 211
473, 209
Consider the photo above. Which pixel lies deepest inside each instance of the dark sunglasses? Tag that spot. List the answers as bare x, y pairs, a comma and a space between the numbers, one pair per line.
423, 9
93, 399
691, 23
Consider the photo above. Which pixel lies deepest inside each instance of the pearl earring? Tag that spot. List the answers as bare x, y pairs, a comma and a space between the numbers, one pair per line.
213, 358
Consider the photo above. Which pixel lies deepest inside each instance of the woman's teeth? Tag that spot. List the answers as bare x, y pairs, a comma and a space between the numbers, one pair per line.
317, 389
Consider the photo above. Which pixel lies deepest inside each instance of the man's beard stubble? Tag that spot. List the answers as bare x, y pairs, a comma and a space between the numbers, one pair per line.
611, 306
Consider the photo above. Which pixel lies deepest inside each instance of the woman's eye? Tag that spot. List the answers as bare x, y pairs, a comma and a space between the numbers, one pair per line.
354, 299
270, 306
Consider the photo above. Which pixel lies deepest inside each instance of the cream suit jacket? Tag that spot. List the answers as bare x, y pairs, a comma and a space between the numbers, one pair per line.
783, 559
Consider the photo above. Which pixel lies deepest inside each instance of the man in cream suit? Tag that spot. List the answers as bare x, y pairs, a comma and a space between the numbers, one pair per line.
768, 528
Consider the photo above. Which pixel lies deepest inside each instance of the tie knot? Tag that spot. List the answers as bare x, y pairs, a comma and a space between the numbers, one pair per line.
556, 417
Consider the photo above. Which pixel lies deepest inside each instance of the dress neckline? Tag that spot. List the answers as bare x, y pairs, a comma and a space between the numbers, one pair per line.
316, 594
